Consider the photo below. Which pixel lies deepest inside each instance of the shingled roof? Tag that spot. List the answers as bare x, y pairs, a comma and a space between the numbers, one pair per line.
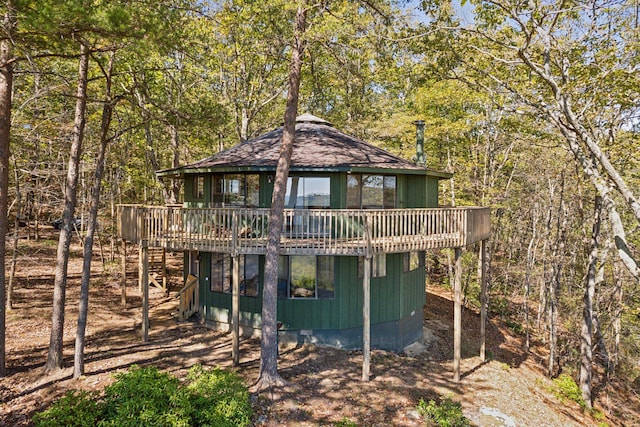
318, 146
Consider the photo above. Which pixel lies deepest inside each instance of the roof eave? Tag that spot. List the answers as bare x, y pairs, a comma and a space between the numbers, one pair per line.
181, 172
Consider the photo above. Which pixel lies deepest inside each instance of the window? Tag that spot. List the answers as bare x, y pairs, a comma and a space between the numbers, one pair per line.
305, 192
198, 187
302, 277
378, 265
221, 273
249, 274
371, 191
305, 276
354, 191
412, 260
236, 190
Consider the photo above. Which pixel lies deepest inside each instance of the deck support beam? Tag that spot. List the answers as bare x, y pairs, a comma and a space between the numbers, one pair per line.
123, 297
457, 314
235, 311
483, 299
366, 320
141, 273
145, 291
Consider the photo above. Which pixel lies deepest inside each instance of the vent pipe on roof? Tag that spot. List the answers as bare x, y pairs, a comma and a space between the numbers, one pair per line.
420, 157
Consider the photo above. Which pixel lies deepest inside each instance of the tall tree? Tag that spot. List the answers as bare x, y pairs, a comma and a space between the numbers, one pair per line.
586, 342
269, 375
107, 109
54, 356
6, 88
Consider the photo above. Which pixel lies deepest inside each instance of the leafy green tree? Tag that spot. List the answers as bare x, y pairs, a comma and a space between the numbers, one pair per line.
248, 50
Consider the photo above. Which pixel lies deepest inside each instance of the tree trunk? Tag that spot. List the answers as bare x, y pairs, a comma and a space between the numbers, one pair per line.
54, 358
586, 341
530, 265
78, 366
6, 87
269, 376
174, 193
617, 314
150, 151
14, 255
555, 282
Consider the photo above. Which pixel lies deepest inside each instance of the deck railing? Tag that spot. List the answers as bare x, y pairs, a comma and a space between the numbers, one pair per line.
320, 232
189, 298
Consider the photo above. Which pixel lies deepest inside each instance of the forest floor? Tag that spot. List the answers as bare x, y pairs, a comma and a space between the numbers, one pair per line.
325, 386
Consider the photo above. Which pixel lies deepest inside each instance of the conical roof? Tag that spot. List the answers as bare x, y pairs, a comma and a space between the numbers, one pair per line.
318, 146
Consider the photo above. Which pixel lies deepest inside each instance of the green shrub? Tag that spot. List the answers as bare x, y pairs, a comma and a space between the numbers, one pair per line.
143, 396
446, 413
566, 388
75, 409
345, 422
218, 398
150, 397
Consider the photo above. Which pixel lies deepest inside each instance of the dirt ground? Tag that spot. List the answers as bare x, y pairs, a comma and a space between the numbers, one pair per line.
325, 384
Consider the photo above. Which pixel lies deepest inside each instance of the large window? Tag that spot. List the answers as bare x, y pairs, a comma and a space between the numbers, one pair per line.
371, 191
304, 192
236, 190
249, 273
306, 276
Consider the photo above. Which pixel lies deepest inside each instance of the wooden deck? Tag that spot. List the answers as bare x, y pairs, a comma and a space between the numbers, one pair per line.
305, 232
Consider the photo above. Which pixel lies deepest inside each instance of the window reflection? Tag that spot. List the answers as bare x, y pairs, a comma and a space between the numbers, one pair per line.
249, 273
302, 277
306, 276
371, 191
308, 192
236, 190
354, 191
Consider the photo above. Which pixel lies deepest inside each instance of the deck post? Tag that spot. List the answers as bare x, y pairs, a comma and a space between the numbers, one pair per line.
123, 297
366, 320
235, 311
145, 291
164, 272
483, 299
141, 265
457, 314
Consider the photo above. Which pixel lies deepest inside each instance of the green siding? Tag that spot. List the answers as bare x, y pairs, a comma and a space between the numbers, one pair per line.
412, 292
339, 191
266, 190
431, 192
416, 192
